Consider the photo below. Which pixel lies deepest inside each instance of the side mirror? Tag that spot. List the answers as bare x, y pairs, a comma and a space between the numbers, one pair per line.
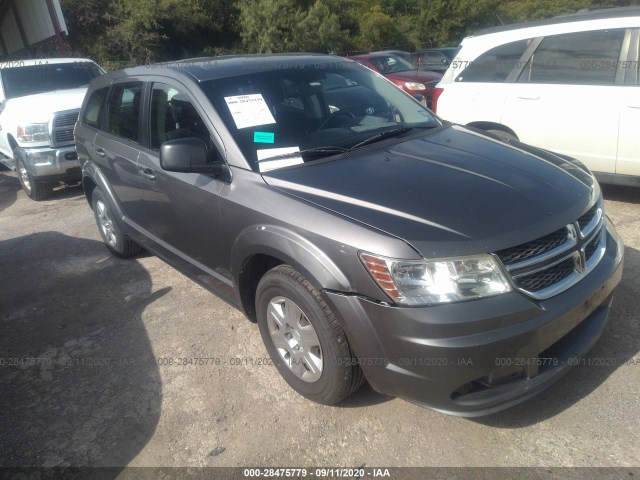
188, 155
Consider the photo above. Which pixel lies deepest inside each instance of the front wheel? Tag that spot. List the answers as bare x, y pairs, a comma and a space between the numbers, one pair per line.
35, 189
304, 338
113, 238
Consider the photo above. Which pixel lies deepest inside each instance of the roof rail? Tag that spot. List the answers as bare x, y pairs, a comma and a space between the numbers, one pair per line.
579, 16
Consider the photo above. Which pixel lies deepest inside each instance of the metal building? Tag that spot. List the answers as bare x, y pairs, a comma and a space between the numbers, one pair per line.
25, 24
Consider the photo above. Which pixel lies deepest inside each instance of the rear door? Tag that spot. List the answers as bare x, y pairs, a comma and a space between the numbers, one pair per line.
567, 97
478, 93
629, 135
116, 146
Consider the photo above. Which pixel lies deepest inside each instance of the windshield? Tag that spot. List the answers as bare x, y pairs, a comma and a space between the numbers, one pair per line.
309, 109
390, 64
47, 77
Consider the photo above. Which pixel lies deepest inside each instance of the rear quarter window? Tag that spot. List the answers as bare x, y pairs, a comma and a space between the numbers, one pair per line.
92, 115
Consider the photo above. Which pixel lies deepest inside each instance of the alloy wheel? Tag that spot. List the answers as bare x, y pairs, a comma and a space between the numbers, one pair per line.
295, 339
106, 223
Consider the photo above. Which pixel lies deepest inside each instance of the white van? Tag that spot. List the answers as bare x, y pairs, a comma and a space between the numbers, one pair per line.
568, 84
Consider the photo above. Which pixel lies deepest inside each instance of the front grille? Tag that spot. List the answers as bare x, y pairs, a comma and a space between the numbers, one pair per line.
591, 247
549, 265
62, 127
532, 249
547, 277
584, 220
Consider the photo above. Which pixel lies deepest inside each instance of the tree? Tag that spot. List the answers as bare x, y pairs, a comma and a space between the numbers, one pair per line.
267, 25
377, 29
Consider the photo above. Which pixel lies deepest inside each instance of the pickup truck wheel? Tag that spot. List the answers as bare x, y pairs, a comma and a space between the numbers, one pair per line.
113, 238
33, 188
304, 338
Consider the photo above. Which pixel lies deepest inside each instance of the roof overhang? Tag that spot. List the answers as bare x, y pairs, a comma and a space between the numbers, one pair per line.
27, 23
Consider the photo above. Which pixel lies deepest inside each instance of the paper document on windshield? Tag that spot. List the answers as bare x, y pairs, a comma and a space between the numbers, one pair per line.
249, 110
265, 164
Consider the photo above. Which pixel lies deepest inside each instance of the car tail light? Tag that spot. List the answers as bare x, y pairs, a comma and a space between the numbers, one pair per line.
436, 95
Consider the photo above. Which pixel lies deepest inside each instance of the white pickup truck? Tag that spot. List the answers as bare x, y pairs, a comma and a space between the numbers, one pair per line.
39, 105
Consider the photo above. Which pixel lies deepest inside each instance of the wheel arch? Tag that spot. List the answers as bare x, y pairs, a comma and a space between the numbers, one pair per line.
12, 141
258, 249
92, 177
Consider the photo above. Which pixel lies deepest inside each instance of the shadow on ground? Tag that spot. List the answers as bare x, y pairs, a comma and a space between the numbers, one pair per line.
618, 345
621, 194
364, 397
9, 187
78, 380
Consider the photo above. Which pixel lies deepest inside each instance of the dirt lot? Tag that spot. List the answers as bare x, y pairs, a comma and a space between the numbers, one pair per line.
93, 383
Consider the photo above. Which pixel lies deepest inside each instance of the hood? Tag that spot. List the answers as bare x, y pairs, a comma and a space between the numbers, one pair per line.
38, 108
421, 76
451, 192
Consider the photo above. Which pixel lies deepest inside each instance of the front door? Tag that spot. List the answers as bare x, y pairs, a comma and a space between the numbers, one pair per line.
179, 211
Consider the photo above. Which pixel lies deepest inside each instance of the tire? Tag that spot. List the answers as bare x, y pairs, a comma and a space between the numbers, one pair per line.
113, 238
323, 368
34, 189
505, 136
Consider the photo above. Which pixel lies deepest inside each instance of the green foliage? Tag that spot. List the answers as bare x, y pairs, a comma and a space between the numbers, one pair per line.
378, 29
269, 26
124, 32
119, 33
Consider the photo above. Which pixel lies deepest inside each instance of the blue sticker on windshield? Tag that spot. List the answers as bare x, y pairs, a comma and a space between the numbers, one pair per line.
264, 137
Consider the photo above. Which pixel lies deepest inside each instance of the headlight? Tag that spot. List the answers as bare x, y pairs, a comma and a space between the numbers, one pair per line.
414, 86
32, 133
429, 282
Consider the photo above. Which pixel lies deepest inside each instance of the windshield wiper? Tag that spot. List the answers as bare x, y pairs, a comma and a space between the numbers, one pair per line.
381, 136
309, 151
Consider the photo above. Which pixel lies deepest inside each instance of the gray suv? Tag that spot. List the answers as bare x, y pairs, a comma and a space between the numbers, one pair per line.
365, 236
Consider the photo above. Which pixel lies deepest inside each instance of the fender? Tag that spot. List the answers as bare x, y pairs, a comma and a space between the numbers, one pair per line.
91, 170
291, 248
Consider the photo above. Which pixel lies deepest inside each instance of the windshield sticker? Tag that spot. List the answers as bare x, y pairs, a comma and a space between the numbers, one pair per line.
249, 110
264, 137
265, 154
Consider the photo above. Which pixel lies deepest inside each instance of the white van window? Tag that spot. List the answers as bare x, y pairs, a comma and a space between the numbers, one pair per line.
494, 65
583, 58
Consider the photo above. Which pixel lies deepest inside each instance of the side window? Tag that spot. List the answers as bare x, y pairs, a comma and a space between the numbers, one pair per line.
173, 116
494, 65
583, 58
93, 111
124, 110
436, 59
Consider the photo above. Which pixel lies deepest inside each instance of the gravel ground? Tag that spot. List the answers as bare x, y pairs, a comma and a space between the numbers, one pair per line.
93, 386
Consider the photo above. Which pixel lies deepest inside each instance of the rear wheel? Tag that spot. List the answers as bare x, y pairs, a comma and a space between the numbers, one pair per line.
113, 238
33, 188
304, 338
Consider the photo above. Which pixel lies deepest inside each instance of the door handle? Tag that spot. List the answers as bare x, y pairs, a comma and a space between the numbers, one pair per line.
529, 98
147, 173
101, 152
633, 105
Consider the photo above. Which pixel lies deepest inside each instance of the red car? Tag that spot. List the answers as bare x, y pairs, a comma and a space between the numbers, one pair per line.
402, 73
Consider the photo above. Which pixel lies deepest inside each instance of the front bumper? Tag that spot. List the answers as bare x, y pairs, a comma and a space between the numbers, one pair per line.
478, 357
52, 164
